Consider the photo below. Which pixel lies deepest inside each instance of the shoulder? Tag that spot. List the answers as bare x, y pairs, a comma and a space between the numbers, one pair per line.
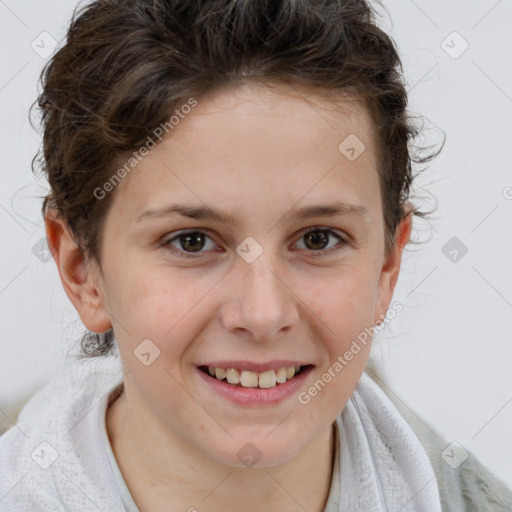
466, 484
55, 445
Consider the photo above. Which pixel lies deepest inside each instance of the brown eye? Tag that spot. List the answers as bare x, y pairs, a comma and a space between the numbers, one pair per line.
317, 239
192, 241
187, 243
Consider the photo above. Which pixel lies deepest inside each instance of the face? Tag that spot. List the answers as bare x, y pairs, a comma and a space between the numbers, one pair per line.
263, 287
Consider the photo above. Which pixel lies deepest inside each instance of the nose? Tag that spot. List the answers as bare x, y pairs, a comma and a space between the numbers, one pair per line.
260, 303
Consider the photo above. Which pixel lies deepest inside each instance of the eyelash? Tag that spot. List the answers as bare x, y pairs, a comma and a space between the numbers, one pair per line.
321, 252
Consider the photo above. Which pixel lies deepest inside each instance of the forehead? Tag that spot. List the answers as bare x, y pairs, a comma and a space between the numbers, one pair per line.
282, 105
241, 143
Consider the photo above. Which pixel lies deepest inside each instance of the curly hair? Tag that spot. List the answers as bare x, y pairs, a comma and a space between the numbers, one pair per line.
126, 65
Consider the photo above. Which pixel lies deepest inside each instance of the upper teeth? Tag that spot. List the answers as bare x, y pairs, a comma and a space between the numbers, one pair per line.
247, 379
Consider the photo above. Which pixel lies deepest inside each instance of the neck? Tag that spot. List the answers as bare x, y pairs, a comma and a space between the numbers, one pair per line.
162, 471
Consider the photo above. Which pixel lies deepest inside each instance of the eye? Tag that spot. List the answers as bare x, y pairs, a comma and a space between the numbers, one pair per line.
190, 242
316, 239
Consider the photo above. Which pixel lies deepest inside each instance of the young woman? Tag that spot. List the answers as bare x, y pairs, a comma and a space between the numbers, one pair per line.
228, 210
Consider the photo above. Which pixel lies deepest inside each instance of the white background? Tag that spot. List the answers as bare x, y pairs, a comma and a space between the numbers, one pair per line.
448, 354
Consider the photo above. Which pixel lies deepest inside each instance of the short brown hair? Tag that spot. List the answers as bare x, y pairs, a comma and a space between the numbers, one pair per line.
128, 64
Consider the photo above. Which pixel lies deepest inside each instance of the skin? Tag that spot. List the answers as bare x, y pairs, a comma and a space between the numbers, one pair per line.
256, 153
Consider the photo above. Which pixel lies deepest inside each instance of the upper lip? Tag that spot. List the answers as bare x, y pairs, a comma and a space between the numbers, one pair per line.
255, 367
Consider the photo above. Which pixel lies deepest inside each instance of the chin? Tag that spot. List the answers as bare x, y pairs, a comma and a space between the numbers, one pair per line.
255, 453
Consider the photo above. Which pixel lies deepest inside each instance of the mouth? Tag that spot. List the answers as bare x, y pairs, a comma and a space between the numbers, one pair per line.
250, 379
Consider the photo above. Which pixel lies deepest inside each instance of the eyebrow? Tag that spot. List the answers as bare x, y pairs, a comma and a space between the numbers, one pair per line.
205, 212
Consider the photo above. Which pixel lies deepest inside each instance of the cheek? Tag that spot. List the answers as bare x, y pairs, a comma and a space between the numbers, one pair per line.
343, 301
161, 313
168, 309
345, 307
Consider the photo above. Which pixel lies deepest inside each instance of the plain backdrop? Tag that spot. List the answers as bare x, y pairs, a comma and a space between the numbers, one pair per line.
448, 353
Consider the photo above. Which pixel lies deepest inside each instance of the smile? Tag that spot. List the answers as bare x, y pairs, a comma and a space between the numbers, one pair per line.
250, 379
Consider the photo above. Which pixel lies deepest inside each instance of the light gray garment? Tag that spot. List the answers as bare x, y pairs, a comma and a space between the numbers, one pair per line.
470, 487
128, 502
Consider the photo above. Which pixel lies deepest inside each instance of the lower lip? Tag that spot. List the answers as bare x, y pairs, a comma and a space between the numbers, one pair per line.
256, 396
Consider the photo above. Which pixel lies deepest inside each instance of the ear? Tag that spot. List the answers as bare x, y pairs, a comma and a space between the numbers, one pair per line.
81, 282
391, 267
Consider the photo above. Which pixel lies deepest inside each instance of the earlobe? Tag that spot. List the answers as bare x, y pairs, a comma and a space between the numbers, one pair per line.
79, 280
